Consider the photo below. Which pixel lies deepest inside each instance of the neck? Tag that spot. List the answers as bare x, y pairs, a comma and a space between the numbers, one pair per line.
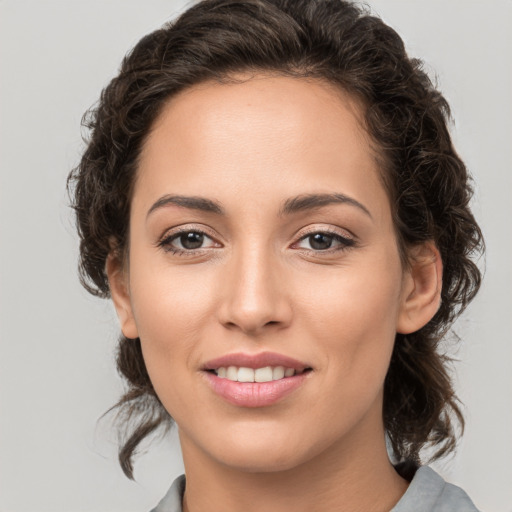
354, 475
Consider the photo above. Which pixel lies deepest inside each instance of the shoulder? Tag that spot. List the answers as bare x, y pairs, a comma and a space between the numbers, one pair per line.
428, 492
171, 502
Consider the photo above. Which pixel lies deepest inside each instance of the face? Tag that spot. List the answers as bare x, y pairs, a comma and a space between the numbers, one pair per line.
261, 236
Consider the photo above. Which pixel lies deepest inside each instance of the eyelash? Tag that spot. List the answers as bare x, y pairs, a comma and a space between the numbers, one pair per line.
165, 243
344, 242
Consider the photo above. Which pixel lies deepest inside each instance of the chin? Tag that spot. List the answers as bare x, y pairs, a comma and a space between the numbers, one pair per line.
262, 454
249, 462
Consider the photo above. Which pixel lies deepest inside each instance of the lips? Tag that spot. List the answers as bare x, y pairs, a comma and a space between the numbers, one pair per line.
255, 361
248, 393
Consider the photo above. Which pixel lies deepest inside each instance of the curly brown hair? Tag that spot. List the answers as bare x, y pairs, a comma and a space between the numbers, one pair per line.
406, 117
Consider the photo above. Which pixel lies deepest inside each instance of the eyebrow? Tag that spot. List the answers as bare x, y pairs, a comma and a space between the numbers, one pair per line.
191, 202
308, 202
301, 203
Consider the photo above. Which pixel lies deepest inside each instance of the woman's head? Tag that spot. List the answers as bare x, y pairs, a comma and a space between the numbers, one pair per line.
169, 125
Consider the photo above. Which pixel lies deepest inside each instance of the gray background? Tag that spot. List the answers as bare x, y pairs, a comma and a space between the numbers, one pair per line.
56, 361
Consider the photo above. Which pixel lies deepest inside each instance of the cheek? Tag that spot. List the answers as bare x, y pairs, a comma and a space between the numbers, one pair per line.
171, 306
353, 313
352, 321
169, 299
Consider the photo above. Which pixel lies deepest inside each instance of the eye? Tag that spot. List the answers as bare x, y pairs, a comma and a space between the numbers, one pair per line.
325, 241
186, 241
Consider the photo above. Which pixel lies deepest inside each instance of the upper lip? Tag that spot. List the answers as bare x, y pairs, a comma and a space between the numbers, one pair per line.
255, 361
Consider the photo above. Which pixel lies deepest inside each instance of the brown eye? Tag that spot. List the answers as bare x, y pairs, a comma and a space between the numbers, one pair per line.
320, 241
191, 240
185, 241
323, 241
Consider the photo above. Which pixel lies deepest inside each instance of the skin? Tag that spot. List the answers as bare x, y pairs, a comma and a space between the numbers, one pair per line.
258, 284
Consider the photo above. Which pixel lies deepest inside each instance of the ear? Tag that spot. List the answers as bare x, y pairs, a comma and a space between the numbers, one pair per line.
421, 288
120, 293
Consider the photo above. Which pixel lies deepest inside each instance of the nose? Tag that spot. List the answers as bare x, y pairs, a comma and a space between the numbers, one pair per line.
254, 293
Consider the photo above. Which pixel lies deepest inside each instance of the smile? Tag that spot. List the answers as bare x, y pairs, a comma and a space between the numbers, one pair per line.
255, 380
244, 374
254, 394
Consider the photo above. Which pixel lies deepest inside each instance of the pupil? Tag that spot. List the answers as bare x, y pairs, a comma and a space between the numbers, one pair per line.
192, 240
321, 241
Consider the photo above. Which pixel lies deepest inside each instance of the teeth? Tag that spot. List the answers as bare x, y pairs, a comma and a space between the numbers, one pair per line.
245, 375
232, 373
266, 374
278, 372
263, 374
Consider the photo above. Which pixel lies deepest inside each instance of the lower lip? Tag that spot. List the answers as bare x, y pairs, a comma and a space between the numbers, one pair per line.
254, 394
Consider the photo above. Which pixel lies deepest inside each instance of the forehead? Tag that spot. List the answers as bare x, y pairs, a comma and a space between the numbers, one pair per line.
279, 107
291, 135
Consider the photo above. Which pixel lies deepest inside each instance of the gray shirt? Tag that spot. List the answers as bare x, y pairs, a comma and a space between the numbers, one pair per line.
427, 492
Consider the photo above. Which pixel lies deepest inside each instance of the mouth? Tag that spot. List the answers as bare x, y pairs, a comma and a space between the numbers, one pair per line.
263, 374
255, 380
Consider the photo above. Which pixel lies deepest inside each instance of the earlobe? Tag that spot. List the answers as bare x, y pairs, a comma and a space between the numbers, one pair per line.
119, 290
421, 290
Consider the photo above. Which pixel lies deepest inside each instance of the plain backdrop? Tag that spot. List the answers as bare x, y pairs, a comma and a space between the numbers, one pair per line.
57, 371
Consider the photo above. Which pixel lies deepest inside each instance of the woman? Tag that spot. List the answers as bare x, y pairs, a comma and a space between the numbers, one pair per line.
271, 198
